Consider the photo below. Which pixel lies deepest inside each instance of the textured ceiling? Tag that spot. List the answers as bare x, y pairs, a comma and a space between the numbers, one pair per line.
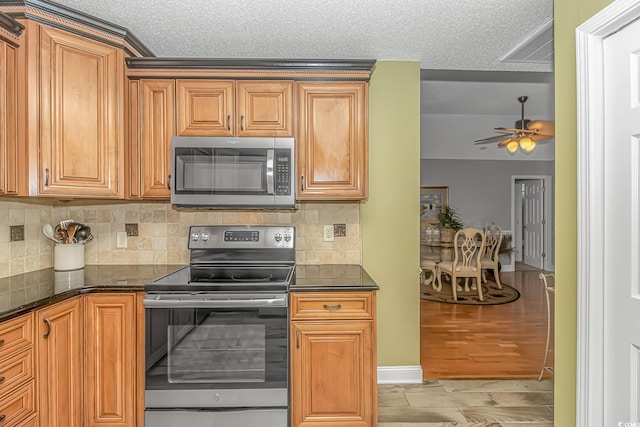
441, 34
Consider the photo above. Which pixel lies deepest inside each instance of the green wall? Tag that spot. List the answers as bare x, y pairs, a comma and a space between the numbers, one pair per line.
390, 216
568, 15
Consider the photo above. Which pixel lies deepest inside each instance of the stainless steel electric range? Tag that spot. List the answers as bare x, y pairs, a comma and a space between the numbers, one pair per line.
217, 331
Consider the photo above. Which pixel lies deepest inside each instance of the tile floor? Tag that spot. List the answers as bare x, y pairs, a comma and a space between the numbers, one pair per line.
466, 403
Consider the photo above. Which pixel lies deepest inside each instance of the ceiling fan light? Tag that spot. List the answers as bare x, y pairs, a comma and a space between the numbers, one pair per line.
527, 144
512, 146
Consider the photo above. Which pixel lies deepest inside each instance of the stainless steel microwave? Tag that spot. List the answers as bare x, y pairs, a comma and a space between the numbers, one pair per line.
220, 172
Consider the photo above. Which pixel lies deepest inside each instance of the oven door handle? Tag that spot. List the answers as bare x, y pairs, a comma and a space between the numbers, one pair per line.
171, 301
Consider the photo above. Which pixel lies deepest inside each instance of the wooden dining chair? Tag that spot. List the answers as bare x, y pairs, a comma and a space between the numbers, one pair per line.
469, 247
491, 253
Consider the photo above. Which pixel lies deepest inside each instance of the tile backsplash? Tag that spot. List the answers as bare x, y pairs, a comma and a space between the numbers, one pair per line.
163, 231
35, 251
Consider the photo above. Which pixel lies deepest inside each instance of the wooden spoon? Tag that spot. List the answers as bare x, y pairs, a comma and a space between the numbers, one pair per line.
71, 231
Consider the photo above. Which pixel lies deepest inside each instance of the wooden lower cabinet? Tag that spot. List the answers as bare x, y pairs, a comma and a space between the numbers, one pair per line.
59, 355
333, 362
110, 342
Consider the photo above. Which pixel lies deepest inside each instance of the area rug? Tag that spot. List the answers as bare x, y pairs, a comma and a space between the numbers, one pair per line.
490, 293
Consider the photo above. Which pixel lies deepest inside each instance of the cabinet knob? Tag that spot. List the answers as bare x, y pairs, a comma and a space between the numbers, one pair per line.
1, 342
169, 182
2, 417
241, 122
1, 379
332, 307
46, 177
229, 122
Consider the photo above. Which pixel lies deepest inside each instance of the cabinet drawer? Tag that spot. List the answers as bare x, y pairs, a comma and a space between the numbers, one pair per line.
17, 406
332, 305
15, 334
15, 370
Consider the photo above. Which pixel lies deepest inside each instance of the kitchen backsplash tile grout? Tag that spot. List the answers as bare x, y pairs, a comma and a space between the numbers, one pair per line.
163, 231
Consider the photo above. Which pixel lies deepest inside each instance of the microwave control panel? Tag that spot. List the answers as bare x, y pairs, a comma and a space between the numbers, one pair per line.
283, 172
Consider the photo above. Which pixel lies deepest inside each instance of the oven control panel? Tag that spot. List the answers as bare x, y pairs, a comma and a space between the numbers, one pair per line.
241, 237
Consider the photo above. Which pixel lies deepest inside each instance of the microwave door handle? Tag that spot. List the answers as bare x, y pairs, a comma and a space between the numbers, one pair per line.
270, 178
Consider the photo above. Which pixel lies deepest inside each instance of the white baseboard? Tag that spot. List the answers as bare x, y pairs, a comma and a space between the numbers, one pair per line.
399, 374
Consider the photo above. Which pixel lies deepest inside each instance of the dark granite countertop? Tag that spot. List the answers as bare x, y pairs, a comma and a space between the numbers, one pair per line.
29, 291
332, 277
25, 292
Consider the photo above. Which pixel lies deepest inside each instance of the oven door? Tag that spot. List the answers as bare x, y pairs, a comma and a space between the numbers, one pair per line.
216, 350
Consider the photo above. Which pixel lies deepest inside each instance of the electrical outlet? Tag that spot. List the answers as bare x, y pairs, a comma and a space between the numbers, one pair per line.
328, 233
121, 240
340, 230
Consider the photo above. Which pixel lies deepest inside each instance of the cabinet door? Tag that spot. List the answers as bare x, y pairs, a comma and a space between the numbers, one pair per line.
157, 98
265, 108
8, 121
110, 342
81, 116
332, 140
60, 364
205, 107
331, 374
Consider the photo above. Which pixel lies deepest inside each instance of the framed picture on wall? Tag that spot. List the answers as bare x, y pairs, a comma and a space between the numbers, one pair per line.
431, 201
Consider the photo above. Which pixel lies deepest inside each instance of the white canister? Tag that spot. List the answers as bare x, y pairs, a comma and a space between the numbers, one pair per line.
68, 256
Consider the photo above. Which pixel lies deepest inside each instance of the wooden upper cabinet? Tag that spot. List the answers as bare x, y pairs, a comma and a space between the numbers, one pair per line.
9, 159
229, 108
331, 143
13, 155
81, 118
59, 355
205, 107
265, 108
152, 126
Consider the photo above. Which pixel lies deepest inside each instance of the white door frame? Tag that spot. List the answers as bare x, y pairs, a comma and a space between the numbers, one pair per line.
590, 96
548, 216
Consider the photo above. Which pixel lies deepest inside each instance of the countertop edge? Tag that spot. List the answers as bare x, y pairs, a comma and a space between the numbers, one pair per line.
333, 288
44, 302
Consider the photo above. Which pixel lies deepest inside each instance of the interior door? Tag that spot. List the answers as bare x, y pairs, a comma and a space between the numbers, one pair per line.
533, 222
622, 227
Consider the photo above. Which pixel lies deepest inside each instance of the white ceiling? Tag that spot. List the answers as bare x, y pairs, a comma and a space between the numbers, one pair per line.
443, 35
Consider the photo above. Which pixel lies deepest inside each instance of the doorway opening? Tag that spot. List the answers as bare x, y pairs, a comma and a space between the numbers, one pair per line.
532, 220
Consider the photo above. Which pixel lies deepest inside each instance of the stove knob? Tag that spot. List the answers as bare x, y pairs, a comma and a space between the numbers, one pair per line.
287, 237
195, 236
278, 237
204, 237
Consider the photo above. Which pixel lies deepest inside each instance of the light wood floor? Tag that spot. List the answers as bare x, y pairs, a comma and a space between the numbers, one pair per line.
483, 342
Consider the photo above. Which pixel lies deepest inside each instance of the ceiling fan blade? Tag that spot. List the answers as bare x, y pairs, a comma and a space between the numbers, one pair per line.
505, 142
493, 139
514, 130
537, 137
542, 127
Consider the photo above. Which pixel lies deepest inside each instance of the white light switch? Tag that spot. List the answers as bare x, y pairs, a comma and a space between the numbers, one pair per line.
328, 233
121, 239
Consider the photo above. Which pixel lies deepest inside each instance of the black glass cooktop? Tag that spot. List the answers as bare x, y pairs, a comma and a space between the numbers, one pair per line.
198, 278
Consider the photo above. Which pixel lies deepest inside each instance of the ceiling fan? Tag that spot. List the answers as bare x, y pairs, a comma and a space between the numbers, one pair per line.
525, 134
